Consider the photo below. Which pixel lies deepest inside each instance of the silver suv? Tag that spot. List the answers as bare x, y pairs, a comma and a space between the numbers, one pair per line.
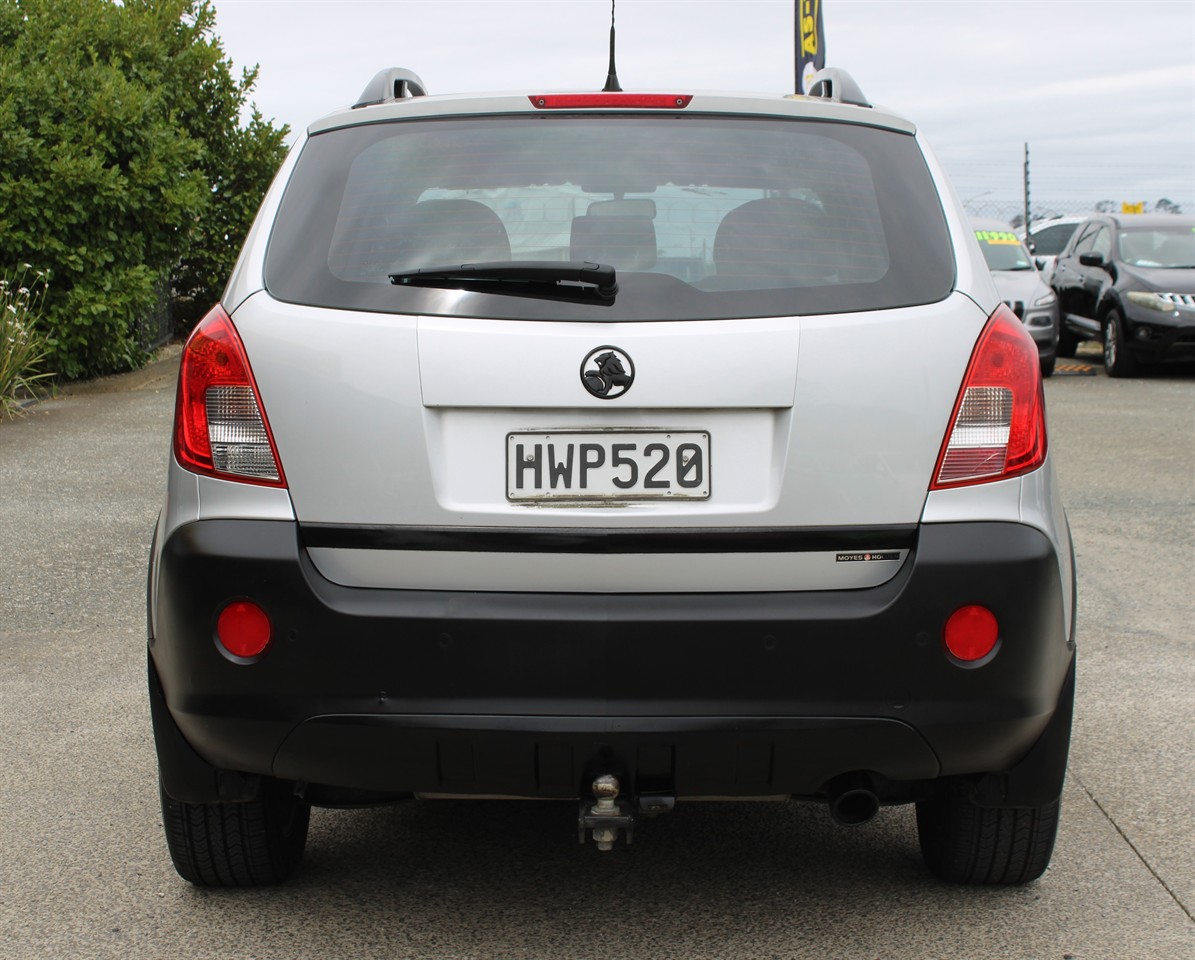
620, 448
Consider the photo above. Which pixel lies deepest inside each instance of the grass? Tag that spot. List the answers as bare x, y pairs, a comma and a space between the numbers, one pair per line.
23, 348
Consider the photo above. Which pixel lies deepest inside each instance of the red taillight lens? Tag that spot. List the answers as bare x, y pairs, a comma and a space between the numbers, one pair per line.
589, 101
243, 629
971, 633
998, 429
220, 427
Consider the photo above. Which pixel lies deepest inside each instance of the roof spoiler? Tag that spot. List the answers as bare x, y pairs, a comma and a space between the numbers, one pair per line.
835, 84
394, 83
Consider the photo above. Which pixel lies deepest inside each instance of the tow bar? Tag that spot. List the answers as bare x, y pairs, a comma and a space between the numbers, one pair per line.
608, 815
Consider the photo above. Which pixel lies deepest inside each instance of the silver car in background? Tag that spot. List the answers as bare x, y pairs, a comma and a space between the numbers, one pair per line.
1046, 239
1022, 286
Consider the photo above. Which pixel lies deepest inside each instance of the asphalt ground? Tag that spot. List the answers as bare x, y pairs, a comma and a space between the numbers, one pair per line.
83, 865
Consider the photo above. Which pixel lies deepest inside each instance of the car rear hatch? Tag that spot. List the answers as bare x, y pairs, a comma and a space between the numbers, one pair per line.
760, 405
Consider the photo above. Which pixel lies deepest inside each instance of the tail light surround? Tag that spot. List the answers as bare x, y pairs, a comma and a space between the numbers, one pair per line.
998, 427
220, 426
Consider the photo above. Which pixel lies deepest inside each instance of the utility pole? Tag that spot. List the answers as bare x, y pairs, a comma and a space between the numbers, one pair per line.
1026, 224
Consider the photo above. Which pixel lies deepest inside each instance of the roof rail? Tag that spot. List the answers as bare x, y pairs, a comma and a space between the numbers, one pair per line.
394, 83
835, 84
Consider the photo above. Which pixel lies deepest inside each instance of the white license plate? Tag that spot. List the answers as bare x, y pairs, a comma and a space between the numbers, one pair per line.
614, 465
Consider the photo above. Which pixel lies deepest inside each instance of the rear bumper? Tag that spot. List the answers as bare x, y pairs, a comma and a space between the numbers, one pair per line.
1043, 327
533, 694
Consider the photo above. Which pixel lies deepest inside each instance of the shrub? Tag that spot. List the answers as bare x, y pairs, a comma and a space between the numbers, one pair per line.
23, 347
118, 127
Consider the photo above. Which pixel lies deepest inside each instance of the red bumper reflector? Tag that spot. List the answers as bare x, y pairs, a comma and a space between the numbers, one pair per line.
243, 629
971, 633
588, 101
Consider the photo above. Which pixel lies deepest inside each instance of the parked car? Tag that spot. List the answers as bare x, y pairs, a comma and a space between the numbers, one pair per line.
618, 448
1048, 238
1021, 286
1129, 281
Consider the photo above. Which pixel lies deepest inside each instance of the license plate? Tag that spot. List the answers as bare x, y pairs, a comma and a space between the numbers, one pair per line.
614, 465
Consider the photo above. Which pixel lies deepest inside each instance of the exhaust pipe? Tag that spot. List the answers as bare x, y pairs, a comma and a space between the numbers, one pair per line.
852, 800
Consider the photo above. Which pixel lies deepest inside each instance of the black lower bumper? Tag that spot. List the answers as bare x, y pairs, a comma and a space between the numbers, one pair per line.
1151, 338
534, 694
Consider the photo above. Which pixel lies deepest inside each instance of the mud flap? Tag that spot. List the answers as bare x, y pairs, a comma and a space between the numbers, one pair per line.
185, 776
1038, 778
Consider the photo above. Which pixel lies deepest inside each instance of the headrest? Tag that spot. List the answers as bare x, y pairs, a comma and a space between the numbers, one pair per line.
778, 239
625, 243
441, 232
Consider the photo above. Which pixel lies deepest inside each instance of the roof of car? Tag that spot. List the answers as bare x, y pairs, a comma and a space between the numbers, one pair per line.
397, 94
1148, 219
701, 103
1054, 221
989, 223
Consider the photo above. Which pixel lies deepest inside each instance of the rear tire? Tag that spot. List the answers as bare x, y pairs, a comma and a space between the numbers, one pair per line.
1047, 367
249, 844
962, 842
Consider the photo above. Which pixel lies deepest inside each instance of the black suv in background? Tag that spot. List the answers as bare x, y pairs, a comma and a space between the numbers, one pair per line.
1129, 280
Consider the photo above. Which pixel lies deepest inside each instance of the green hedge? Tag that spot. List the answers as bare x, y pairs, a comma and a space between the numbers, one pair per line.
120, 150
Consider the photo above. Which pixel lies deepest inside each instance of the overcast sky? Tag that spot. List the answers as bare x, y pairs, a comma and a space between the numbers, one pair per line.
1103, 91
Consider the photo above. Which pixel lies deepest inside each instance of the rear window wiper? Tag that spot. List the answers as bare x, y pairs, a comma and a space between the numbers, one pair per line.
544, 279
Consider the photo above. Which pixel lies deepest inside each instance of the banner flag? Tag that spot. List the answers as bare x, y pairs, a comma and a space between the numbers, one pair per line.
811, 42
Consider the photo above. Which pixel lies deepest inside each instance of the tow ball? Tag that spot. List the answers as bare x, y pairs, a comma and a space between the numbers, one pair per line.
607, 815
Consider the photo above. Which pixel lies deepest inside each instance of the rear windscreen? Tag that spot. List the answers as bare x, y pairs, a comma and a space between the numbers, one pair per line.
702, 217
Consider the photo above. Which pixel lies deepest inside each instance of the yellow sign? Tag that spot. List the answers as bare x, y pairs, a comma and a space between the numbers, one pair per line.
811, 44
810, 17
1132, 208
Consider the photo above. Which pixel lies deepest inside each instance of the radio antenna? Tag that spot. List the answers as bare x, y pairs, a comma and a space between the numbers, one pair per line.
612, 74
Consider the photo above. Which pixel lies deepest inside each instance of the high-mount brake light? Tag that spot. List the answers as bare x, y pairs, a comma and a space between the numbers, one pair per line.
998, 428
220, 427
589, 101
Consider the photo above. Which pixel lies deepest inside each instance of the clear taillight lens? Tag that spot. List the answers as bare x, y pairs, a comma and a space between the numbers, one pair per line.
220, 427
238, 435
999, 425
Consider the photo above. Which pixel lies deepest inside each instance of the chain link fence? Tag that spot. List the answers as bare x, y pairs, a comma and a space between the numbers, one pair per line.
1012, 212
156, 326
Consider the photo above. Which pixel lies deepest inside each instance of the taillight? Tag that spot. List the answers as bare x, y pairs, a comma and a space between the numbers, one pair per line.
220, 427
998, 429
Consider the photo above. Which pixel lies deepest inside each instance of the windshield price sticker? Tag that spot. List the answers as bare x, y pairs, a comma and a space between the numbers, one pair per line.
608, 466
997, 237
